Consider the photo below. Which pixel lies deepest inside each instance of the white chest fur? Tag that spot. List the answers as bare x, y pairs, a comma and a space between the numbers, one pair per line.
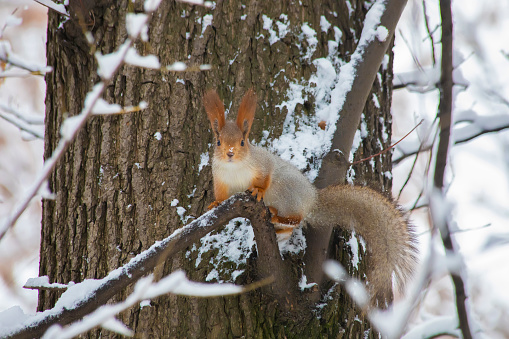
237, 174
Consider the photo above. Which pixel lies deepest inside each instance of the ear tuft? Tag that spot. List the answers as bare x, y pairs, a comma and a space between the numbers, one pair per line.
247, 111
215, 110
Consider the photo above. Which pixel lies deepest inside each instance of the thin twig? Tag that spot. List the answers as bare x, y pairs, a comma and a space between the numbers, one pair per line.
388, 148
430, 33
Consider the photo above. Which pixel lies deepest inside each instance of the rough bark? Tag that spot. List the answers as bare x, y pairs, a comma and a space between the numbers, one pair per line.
116, 183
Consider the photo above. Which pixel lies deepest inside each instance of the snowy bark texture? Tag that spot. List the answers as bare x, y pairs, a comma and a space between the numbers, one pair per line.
115, 185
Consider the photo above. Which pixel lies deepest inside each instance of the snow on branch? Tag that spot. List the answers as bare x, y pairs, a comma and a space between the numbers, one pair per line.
353, 86
42, 283
84, 298
468, 125
34, 131
60, 8
9, 57
175, 283
471, 125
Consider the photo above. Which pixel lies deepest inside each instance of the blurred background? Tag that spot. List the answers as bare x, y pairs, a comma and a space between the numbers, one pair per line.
478, 175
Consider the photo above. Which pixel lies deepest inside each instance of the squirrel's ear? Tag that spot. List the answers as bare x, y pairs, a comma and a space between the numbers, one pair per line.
215, 110
246, 112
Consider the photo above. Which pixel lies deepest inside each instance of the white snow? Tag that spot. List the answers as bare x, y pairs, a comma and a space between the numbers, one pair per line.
117, 326
177, 66
135, 24
282, 26
204, 161
151, 5
60, 8
354, 246
13, 20
334, 270
208, 4
103, 107
77, 292
303, 283
267, 25
233, 245
44, 282
338, 34
206, 22
9, 56
309, 34
109, 63
70, 126
149, 61
357, 291
324, 24
177, 283
382, 33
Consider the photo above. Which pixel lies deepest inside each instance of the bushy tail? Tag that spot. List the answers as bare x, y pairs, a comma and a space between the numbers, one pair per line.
390, 240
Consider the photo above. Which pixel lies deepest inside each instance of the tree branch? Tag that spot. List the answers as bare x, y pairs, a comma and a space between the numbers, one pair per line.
240, 205
479, 125
445, 114
364, 64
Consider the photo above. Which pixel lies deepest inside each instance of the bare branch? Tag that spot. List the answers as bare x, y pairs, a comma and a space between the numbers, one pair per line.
445, 115
430, 33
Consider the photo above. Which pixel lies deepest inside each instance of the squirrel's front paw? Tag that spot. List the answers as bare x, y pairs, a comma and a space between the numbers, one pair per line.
257, 192
214, 204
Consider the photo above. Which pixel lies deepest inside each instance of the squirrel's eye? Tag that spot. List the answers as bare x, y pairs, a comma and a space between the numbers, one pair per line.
218, 143
242, 143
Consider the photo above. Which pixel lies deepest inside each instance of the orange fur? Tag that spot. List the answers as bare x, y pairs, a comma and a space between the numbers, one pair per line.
214, 108
247, 112
293, 220
259, 185
289, 220
220, 192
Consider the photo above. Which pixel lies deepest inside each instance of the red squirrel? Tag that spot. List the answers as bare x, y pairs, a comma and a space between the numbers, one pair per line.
237, 166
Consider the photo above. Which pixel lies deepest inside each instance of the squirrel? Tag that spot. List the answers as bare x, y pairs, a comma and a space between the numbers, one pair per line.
237, 166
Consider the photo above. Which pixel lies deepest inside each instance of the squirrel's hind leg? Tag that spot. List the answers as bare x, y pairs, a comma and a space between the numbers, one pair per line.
284, 225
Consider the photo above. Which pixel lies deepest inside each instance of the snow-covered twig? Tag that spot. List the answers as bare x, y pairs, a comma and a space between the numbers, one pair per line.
145, 289
60, 8
42, 283
23, 126
469, 125
9, 57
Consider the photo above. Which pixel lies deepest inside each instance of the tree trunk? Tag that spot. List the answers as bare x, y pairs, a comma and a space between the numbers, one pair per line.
116, 184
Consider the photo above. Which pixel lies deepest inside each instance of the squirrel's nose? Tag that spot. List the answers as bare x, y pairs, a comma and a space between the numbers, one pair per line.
229, 154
